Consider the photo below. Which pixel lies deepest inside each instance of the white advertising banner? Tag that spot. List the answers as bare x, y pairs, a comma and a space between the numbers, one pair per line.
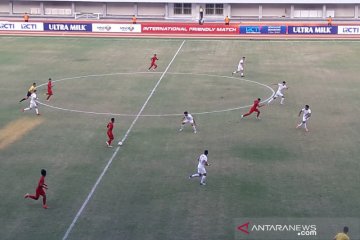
21, 26
116, 28
348, 29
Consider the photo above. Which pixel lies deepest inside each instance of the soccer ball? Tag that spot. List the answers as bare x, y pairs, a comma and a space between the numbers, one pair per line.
120, 143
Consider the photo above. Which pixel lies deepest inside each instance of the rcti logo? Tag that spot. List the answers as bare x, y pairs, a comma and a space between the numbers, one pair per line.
244, 228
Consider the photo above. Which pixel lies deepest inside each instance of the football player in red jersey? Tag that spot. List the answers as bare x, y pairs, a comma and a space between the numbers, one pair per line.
254, 108
153, 62
40, 190
49, 90
110, 127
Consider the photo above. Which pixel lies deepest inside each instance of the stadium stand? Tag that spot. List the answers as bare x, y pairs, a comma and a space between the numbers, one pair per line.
185, 10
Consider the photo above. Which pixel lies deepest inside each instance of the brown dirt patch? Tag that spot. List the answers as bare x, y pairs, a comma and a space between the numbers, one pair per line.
15, 130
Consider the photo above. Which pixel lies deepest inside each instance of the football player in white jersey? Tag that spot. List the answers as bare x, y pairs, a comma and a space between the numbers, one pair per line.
240, 67
201, 171
279, 92
33, 103
188, 119
306, 115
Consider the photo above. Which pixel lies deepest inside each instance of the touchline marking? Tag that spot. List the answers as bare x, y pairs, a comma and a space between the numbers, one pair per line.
156, 115
118, 148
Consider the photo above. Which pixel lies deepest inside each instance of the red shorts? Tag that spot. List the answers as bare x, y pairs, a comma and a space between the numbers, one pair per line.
40, 191
253, 110
50, 92
110, 135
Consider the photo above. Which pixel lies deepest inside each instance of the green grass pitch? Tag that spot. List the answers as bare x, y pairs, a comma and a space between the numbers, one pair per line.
260, 168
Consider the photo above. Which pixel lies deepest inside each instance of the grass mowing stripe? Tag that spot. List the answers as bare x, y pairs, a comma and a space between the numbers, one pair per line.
118, 148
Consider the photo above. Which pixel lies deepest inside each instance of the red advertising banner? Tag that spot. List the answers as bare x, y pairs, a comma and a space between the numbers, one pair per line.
190, 28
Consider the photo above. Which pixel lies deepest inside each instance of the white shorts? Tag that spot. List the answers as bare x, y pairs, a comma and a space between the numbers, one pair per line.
188, 121
33, 105
240, 69
278, 94
304, 120
201, 170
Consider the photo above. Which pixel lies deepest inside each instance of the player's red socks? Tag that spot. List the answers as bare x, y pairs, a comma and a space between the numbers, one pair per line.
36, 198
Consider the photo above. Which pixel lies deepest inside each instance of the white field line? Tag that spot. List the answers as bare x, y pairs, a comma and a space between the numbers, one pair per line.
97, 75
155, 115
117, 149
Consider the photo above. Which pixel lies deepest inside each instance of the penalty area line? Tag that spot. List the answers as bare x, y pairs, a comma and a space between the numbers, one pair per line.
66, 235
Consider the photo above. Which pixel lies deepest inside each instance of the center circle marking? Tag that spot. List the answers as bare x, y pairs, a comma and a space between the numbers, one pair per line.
155, 115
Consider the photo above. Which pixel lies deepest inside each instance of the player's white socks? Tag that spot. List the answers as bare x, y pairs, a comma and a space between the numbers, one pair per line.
37, 111
203, 178
282, 100
195, 175
242, 74
181, 128
302, 124
305, 126
26, 109
194, 128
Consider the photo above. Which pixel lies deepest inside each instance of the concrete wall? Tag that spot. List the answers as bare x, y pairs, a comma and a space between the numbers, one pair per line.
22, 7
245, 10
308, 11
120, 9
276, 10
166, 10
342, 11
89, 7
151, 9
4, 7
